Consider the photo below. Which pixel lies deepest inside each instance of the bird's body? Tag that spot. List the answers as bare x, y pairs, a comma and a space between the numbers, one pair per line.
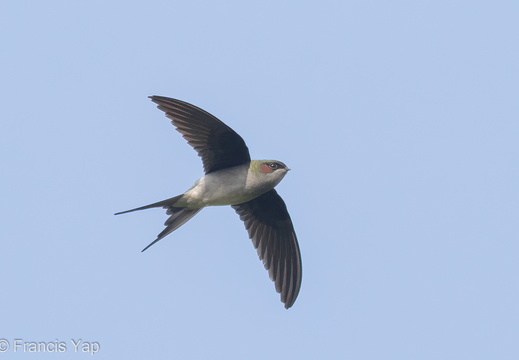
230, 186
232, 178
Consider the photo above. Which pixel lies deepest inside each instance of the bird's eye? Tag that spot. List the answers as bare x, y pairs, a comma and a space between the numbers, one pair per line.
273, 165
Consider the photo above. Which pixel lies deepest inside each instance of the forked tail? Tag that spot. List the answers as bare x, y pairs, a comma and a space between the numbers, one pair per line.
164, 203
179, 216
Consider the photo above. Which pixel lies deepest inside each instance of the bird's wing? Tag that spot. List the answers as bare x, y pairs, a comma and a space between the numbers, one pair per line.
267, 220
217, 144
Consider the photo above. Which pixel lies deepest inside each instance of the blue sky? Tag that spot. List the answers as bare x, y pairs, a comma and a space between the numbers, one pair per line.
399, 119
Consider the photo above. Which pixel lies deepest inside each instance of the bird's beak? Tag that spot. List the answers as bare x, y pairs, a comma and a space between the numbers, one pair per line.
287, 169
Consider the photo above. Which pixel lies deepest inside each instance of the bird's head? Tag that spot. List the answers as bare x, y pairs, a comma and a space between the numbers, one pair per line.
269, 171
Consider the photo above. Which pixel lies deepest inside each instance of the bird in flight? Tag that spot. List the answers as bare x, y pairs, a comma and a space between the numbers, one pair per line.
232, 178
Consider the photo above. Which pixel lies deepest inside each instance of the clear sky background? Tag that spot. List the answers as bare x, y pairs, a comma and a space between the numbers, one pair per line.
400, 120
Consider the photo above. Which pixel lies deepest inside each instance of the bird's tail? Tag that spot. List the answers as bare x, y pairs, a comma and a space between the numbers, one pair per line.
164, 203
179, 216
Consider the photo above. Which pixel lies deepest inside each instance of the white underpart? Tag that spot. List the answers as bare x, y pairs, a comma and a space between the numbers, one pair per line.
229, 187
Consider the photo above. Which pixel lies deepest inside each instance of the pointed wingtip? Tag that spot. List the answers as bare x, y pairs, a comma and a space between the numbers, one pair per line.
153, 242
124, 212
